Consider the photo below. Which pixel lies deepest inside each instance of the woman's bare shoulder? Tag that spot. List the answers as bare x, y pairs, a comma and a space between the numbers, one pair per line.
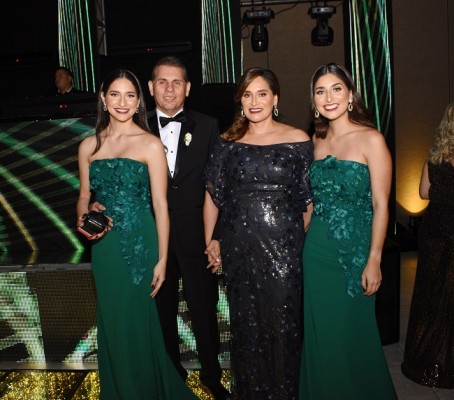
150, 141
370, 137
87, 144
88, 140
294, 134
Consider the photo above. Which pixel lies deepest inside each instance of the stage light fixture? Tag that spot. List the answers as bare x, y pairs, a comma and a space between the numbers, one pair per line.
322, 34
259, 37
259, 34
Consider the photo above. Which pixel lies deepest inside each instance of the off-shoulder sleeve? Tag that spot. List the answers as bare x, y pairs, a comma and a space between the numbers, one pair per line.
215, 173
307, 156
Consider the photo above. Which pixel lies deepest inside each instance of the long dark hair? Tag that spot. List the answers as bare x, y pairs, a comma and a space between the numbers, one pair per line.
240, 124
103, 120
359, 115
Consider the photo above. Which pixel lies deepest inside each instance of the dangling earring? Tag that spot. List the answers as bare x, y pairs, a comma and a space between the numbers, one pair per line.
316, 113
275, 111
350, 106
137, 110
105, 107
242, 113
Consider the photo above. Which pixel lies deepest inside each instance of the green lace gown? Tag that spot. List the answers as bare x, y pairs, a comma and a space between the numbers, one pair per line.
132, 360
342, 354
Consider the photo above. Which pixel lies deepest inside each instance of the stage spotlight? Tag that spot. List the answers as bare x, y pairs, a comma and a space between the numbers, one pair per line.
259, 34
259, 37
322, 34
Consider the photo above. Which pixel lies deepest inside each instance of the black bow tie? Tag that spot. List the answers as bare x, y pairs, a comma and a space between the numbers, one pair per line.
177, 118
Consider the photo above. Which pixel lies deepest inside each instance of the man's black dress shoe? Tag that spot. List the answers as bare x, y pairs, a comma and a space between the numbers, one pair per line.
219, 392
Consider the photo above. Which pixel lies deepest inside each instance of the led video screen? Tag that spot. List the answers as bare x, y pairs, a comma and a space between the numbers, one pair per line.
39, 184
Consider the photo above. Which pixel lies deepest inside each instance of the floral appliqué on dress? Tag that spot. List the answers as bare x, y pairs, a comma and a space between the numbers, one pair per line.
343, 199
121, 191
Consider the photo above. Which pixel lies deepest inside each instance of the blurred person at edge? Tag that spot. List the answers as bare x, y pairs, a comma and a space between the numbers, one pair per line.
429, 346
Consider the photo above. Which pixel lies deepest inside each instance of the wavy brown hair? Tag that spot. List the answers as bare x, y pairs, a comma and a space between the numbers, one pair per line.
240, 124
103, 120
443, 148
359, 115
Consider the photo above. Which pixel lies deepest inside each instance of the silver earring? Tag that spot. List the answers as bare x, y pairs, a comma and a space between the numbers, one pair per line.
275, 111
350, 106
242, 113
104, 108
137, 110
316, 113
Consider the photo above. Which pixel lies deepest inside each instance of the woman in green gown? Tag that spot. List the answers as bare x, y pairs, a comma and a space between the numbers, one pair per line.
125, 168
351, 178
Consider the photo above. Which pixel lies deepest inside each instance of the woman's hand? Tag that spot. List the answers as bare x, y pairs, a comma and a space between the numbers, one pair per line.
307, 216
97, 206
371, 278
213, 251
80, 224
159, 276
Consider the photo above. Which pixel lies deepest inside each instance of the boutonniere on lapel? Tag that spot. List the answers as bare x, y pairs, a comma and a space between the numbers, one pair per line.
187, 139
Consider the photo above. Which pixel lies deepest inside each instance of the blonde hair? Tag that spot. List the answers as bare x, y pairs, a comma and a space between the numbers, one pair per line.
443, 148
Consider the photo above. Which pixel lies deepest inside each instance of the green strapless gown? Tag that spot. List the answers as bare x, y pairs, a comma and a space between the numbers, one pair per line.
342, 354
132, 360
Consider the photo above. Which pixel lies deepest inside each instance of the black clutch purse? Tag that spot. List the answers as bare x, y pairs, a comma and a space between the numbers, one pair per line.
94, 223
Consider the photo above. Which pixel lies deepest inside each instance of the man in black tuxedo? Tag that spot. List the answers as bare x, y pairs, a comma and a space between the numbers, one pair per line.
64, 82
188, 137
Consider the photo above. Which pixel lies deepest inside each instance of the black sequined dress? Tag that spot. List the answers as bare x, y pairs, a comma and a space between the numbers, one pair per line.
429, 347
262, 192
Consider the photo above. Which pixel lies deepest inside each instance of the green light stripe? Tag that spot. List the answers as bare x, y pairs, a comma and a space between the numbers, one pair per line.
230, 30
79, 126
225, 44
373, 77
17, 221
82, 41
90, 53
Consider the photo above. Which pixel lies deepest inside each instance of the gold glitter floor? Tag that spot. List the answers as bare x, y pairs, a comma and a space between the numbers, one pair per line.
72, 385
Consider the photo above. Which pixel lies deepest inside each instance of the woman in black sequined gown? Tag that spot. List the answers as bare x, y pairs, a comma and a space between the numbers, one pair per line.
429, 347
258, 177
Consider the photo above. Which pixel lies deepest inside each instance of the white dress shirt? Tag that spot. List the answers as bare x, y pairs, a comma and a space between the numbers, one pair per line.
170, 135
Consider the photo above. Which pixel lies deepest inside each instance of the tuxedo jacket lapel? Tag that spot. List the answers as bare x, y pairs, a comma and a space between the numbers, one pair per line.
186, 127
